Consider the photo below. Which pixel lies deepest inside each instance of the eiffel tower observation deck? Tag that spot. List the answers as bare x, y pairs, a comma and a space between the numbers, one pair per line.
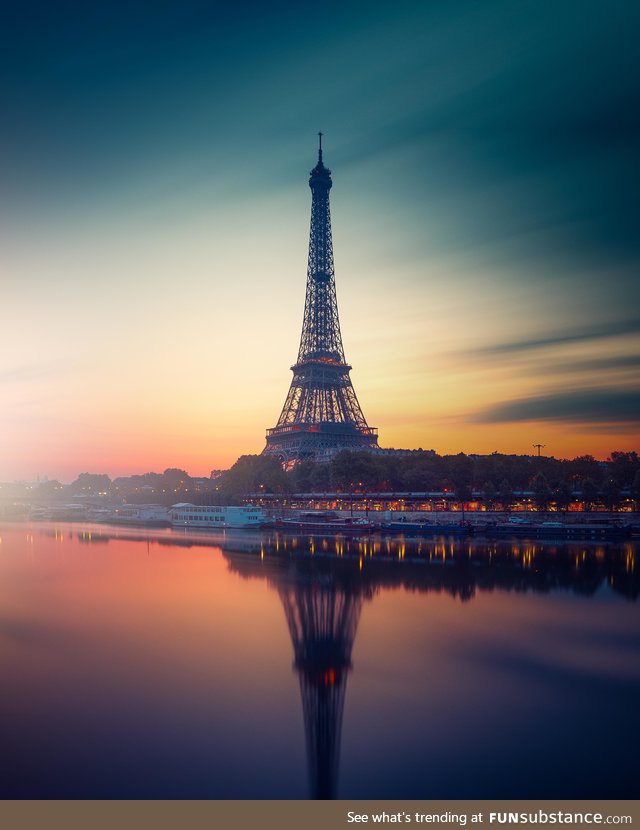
321, 414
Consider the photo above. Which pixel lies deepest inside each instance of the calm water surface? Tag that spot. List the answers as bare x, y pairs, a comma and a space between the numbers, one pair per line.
141, 664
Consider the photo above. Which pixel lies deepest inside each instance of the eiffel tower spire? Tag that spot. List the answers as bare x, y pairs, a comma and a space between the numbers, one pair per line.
321, 414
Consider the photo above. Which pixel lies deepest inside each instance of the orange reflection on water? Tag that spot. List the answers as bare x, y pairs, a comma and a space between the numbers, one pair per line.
172, 611
177, 654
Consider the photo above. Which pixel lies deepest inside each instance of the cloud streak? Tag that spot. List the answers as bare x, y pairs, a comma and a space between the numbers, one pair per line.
615, 363
33, 372
597, 331
603, 406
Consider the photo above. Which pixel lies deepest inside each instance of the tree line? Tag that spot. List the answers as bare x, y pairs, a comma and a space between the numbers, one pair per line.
496, 479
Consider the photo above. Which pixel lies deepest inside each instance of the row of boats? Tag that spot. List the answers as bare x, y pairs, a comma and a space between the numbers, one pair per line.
594, 531
247, 517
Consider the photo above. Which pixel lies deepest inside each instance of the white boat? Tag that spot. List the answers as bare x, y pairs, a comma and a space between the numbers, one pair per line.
145, 515
192, 515
40, 514
99, 514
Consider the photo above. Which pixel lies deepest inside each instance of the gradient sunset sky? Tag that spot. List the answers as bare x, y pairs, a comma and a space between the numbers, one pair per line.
154, 221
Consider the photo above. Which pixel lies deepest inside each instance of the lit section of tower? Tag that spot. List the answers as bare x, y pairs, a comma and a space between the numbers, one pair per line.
321, 414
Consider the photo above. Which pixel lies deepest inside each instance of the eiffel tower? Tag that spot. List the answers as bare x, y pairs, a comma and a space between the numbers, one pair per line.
321, 414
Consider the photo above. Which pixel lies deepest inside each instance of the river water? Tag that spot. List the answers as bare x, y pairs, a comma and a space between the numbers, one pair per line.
164, 664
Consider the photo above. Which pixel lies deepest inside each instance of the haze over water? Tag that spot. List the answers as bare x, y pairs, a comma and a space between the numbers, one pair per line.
160, 665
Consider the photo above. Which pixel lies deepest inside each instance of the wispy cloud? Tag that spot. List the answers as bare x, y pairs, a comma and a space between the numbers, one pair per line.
33, 372
579, 406
597, 331
615, 363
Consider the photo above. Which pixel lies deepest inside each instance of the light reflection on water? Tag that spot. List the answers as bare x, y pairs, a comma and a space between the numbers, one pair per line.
172, 664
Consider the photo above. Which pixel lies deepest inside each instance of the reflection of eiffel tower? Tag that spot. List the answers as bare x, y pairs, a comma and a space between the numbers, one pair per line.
322, 601
323, 598
322, 619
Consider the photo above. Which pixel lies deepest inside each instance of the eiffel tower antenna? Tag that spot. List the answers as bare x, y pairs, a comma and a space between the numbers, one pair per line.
321, 414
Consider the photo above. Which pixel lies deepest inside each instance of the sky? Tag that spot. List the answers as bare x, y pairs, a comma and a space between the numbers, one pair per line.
154, 222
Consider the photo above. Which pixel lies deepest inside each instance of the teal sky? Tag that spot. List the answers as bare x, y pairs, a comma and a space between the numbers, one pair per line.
154, 222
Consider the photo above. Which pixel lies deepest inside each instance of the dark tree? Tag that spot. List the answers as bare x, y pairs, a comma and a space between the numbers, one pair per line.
589, 493
354, 471
505, 494
611, 492
90, 484
489, 494
463, 495
321, 478
635, 490
562, 495
301, 476
253, 474
49, 490
623, 466
541, 492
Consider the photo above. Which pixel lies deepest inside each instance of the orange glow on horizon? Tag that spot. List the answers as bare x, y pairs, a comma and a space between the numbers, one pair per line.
191, 376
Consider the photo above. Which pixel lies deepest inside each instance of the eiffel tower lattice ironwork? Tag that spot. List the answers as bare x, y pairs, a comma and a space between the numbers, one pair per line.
321, 414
